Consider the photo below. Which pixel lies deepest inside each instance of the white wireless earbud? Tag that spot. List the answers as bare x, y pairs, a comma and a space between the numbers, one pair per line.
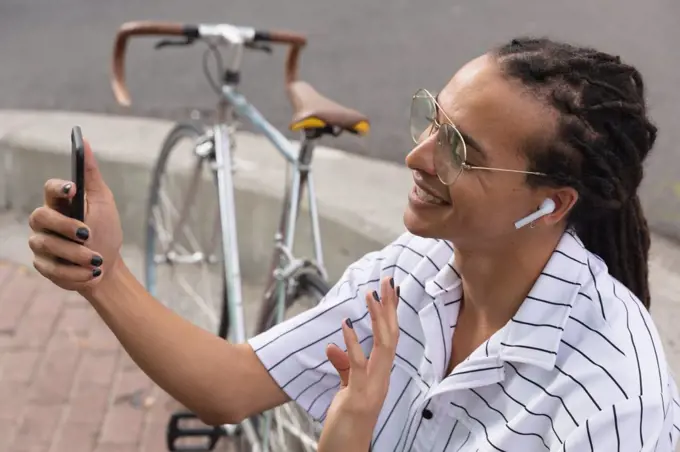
547, 207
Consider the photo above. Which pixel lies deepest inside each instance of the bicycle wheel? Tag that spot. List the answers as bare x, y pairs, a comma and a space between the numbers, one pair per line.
291, 428
183, 259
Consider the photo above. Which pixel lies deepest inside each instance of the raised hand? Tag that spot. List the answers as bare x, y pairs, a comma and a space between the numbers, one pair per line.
364, 383
59, 241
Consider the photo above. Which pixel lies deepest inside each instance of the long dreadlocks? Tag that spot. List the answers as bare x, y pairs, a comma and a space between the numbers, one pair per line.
602, 139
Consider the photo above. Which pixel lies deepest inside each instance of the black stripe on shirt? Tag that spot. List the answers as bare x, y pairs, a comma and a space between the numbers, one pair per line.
420, 422
547, 325
598, 333
407, 273
554, 303
630, 333
450, 436
598, 365
506, 420
311, 343
560, 279
599, 295
552, 424
529, 347
580, 384
410, 407
545, 391
656, 355
394, 407
616, 427
569, 257
354, 297
486, 433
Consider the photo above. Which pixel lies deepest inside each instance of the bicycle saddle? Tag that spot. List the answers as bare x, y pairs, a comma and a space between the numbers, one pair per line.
312, 110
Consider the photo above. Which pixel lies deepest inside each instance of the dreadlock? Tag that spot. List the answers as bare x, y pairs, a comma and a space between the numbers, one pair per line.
603, 136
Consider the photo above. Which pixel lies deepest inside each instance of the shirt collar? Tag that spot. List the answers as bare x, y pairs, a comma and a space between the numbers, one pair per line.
534, 333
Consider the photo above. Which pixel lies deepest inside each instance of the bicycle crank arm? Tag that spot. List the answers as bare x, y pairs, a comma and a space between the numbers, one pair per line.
176, 432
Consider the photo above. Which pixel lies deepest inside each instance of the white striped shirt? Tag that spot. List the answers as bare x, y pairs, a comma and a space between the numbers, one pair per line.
579, 367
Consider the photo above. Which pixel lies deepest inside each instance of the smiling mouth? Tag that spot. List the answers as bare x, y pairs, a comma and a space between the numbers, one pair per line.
427, 198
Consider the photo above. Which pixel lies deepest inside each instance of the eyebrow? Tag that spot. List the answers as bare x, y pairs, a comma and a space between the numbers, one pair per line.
467, 138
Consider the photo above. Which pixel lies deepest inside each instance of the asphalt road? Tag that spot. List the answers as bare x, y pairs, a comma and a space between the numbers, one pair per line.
370, 55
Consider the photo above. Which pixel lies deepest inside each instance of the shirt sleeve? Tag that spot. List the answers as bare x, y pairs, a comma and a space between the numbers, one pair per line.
294, 351
635, 425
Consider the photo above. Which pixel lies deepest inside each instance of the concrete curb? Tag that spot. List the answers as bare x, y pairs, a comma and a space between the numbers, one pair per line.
34, 146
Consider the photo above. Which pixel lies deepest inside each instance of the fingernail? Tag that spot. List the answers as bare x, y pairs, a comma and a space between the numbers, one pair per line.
96, 272
82, 233
375, 295
67, 188
392, 283
96, 261
398, 291
348, 321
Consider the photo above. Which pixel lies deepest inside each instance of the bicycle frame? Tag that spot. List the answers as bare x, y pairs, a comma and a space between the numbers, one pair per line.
299, 160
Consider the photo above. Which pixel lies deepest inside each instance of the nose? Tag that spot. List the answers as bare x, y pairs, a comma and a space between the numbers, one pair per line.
421, 157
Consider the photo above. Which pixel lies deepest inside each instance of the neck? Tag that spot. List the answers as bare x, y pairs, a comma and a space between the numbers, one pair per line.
496, 282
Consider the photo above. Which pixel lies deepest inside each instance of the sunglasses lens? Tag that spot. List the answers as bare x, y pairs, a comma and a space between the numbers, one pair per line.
449, 154
423, 113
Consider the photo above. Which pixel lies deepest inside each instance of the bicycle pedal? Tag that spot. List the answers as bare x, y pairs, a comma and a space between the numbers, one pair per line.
199, 439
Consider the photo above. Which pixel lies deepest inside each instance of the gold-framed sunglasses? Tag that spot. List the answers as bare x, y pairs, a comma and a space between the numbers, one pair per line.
450, 155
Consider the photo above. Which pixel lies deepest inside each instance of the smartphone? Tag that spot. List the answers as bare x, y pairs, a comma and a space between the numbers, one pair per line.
77, 209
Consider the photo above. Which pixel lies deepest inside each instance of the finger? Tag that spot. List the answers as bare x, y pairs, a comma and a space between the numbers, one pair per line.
340, 360
357, 360
62, 273
44, 219
53, 246
390, 299
386, 328
58, 193
94, 181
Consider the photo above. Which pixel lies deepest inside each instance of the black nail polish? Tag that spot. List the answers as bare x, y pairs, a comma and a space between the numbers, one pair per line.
82, 233
375, 296
398, 291
96, 272
67, 188
348, 321
96, 261
392, 283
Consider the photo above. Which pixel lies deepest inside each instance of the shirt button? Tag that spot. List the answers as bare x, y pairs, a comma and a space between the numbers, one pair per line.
427, 414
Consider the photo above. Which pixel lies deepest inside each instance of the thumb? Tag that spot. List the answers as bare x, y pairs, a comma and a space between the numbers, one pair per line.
340, 361
94, 182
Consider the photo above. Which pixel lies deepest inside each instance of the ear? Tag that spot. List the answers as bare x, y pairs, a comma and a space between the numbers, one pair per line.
565, 198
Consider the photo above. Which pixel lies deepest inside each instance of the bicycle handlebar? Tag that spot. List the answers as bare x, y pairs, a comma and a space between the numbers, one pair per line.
228, 33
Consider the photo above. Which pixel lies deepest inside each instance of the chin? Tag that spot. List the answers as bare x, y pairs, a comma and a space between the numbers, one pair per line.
416, 225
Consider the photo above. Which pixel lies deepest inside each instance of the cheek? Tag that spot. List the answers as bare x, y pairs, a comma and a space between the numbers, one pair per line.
485, 207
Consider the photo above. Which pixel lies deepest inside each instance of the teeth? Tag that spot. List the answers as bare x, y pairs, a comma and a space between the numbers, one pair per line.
424, 196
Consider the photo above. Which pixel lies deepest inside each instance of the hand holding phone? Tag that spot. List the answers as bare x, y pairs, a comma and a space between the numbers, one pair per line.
77, 209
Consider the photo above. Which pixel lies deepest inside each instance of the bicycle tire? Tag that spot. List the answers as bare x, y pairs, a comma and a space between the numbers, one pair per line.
182, 130
316, 287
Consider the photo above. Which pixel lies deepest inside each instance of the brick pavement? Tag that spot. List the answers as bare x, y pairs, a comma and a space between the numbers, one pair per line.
65, 383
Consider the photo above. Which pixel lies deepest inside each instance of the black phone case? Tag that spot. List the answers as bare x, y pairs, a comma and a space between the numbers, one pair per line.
77, 210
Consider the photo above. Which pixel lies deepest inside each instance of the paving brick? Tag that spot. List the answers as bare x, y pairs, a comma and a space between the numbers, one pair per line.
19, 365
103, 447
13, 398
15, 297
7, 430
122, 424
76, 437
47, 301
56, 375
6, 271
38, 427
89, 403
100, 337
98, 367
33, 332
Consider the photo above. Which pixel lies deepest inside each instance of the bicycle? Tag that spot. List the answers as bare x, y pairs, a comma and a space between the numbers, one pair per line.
207, 170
